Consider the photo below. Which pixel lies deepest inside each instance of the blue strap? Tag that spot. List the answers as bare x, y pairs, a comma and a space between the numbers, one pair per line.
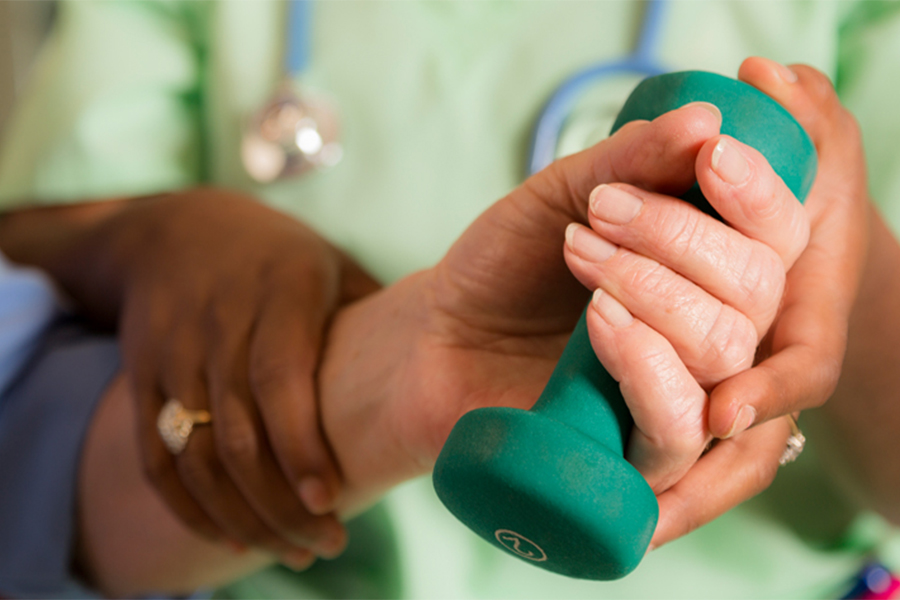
299, 37
550, 122
651, 31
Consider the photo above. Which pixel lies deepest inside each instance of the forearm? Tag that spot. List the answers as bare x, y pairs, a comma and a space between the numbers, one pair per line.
859, 424
101, 252
78, 245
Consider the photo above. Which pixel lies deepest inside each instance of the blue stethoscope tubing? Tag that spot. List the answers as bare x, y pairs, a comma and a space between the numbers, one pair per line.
297, 41
642, 61
548, 128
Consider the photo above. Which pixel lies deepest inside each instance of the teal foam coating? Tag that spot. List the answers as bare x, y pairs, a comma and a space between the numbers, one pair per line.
550, 485
748, 115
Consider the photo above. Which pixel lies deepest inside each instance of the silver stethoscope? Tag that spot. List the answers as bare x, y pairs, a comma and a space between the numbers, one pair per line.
294, 132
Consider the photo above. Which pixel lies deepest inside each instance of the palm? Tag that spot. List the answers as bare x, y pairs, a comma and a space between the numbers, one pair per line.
504, 305
503, 302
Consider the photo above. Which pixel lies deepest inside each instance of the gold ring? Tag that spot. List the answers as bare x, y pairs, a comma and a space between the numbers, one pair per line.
175, 424
795, 443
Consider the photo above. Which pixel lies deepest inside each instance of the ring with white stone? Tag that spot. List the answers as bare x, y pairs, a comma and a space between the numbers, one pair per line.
795, 443
176, 423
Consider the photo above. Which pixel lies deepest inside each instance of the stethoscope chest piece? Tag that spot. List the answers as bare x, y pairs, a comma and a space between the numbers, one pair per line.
291, 135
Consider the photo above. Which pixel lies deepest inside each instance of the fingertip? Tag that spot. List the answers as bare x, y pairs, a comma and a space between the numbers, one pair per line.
817, 84
765, 73
729, 161
610, 310
749, 68
333, 541
691, 124
787, 74
316, 496
723, 411
299, 560
663, 534
745, 417
571, 228
708, 107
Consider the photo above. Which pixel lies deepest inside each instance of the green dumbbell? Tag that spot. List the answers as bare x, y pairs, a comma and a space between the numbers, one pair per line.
551, 485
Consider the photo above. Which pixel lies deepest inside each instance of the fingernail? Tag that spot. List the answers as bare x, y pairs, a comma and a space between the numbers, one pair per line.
587, 244
611, 310
742, 421
785, 73
314, 495
729, 163
298, 560
235, 546
712, 108
614, 205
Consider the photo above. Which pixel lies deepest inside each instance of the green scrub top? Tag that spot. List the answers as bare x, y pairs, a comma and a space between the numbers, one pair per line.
437, 101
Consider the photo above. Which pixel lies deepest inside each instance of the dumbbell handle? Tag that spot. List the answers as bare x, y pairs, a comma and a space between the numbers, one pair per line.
578, 377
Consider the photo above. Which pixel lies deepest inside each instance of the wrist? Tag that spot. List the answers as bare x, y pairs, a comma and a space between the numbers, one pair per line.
367, 381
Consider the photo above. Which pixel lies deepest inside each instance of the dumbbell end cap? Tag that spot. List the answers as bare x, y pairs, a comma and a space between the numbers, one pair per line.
546, 493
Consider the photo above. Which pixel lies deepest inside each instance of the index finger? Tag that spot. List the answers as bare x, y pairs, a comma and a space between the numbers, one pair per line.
283, 362
739, 183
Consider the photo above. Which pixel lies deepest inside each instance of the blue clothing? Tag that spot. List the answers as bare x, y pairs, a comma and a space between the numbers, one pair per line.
28, 304
44, 417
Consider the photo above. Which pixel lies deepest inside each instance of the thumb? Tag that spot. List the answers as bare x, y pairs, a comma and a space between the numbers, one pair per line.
656, 155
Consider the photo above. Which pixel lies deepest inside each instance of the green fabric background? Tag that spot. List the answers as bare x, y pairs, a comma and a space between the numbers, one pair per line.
438, 100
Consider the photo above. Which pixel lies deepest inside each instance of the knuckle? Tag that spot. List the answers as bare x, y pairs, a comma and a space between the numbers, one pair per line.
238, 444
763, 475
299, 457
848, 131
818, 400
198, 470
730, 344
195, 524
268, 374
762, 280
216, 318
818, 86
689, 519
258, 538
763, 204
157, 468
681, 230
658, 360
643, 278
852, 130
684, 442
827, 373
317, 274
830, 115
261, 537
298, 530
178, 354
309, 276
685, 431
685, 436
